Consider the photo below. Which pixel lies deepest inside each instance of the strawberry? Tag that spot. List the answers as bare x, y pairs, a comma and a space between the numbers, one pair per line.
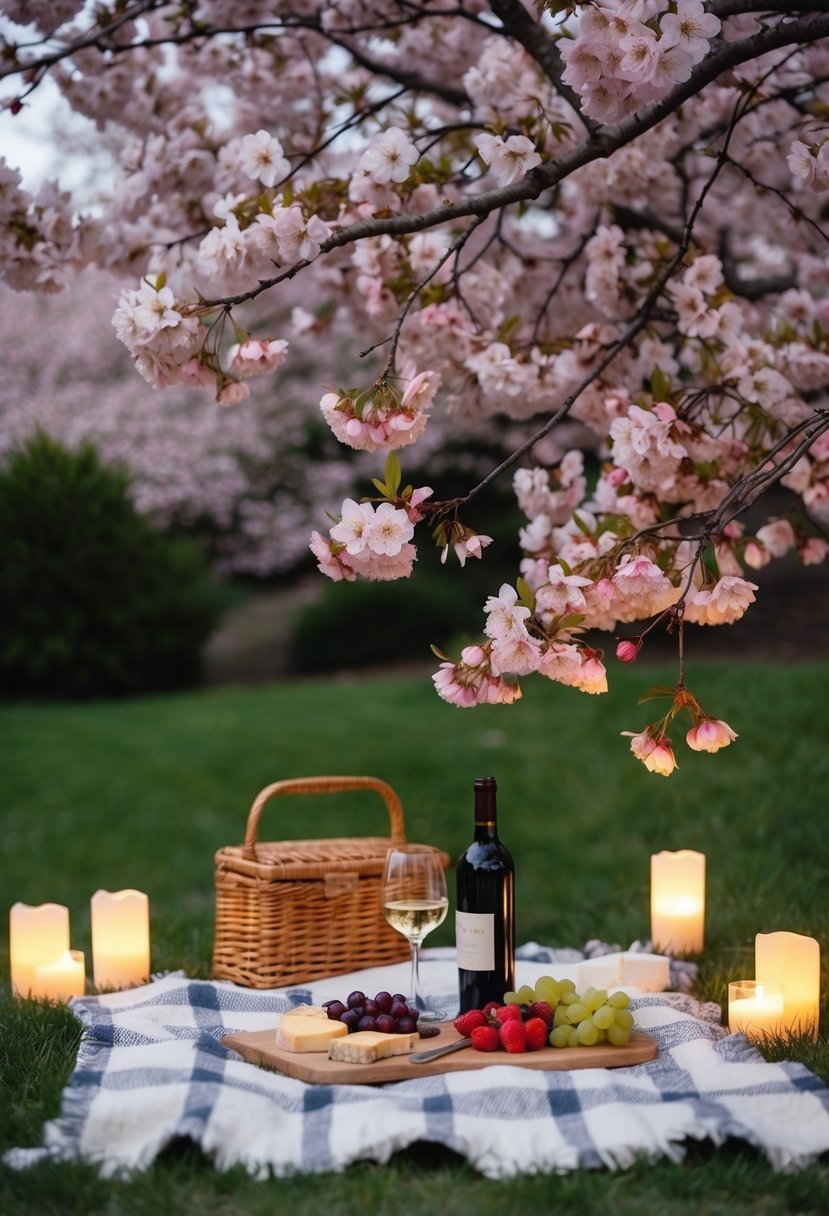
465, 1023
536, 1032
541, 1009
513, 1036
491, 1006
507, 1013
485, 1038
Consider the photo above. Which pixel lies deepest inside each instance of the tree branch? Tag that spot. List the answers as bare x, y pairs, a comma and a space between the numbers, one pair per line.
518, 24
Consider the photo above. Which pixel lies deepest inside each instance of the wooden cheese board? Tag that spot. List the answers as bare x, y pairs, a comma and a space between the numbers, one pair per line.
259, 1047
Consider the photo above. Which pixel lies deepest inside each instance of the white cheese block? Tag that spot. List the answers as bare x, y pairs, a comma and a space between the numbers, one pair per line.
366, 1046
301, 1032
650, 972
602, 972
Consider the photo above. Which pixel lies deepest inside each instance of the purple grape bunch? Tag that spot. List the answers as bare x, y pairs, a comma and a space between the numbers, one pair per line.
390, 1013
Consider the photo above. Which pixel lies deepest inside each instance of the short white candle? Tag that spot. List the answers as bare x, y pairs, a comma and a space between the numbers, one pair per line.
120, 938
794, 960
62, 977
35, 933
678, 901
755, 1009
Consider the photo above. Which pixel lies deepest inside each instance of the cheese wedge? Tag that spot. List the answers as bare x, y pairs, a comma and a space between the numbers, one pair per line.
366, 1046
306, 1032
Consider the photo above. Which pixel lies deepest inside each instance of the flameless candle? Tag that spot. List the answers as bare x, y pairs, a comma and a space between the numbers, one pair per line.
678, 901
793, 961
120, 938
754, 1008
36, 934
62, 977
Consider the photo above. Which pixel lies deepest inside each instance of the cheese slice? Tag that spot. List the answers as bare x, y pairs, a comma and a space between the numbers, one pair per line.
307, 1011
366, 1046
304, 1032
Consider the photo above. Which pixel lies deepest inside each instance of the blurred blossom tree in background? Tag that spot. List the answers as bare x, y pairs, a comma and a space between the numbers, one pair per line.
590, 235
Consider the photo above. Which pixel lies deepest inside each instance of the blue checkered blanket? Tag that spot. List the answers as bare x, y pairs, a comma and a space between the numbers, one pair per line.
151, 1068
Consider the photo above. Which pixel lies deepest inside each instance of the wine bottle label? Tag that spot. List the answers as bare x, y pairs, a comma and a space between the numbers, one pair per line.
475, 940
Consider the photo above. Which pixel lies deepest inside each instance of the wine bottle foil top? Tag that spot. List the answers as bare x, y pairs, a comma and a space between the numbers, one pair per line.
485, 783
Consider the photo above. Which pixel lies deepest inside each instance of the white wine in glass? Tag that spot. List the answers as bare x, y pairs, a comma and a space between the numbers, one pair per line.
415, 902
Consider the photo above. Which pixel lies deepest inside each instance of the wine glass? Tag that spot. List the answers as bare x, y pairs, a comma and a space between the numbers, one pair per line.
413, 894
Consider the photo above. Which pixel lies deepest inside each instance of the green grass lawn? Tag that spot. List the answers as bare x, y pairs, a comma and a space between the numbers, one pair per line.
142, 793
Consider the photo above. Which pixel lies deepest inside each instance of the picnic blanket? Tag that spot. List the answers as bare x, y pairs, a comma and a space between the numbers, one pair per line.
151, 1068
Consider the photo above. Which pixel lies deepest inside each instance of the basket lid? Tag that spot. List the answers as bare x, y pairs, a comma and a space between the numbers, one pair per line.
310, 859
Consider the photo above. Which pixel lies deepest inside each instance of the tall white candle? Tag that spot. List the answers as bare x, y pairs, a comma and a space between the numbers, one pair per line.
678, 901
37, 933
793, 961
120, 938
62, 977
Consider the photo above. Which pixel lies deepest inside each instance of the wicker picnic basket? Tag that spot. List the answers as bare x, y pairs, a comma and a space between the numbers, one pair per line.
296, 910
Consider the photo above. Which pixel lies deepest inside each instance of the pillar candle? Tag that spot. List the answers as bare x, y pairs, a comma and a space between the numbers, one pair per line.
793, 961
120, 938
754, 1008
678, 901
36, 934
62, 977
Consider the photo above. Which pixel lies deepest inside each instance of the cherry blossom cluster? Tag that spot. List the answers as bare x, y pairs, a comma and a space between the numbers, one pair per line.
599, 231
629, 54
653, 745
381, 418
367, 541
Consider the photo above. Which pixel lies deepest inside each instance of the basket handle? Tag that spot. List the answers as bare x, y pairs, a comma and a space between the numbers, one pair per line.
324, 785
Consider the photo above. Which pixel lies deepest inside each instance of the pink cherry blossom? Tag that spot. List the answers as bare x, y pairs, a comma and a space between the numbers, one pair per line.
257, 356
352, 530
590, 676
388, 530
389, 157
710, 735
509, 159
722, 604
232, 393
654, 750
261, 157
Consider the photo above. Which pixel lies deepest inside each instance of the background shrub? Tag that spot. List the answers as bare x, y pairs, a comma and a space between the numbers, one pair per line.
94, 601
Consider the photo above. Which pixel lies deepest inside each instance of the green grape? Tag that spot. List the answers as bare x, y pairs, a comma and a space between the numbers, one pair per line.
560, 1036
618, 1035
604, 1016
595, 999
588, 1033
512, 998
619, 1000
560, 1015
624, 1018
576, 1013
567, 985
572, 1036
570, 997
547, 989
526, 995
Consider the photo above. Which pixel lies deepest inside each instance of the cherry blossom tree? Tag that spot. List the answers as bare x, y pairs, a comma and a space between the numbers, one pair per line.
601, 222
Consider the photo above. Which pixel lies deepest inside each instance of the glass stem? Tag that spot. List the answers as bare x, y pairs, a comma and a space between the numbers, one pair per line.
415, 984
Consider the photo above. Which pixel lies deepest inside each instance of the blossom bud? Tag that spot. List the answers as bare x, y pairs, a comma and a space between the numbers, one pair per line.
628, 649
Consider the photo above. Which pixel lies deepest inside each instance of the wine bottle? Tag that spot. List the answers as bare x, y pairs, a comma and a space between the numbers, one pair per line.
485, 915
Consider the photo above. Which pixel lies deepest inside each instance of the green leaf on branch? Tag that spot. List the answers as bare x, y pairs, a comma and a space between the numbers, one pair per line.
660, 384
381, 486
571, 621
658, 690
525, 595
394, 474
